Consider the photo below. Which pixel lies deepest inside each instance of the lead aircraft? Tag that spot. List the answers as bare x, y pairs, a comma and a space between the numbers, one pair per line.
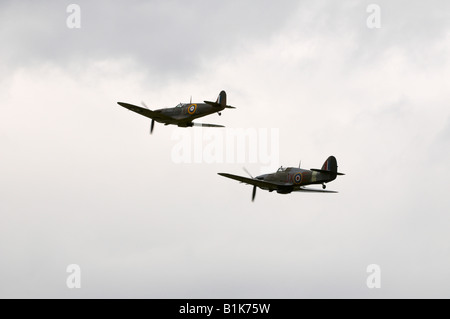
183, 114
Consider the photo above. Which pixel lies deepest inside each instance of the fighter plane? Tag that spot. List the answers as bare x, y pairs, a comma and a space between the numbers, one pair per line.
292, 179
184, 113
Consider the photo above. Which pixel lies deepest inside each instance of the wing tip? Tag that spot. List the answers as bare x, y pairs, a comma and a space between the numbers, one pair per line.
126, 105
224, 174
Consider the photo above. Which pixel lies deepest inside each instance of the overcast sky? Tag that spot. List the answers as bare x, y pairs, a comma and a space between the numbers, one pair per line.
83, 182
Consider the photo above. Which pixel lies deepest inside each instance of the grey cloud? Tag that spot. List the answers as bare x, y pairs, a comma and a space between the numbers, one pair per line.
162, 36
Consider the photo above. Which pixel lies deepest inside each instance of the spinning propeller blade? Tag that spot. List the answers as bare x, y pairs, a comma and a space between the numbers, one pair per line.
248, 173
151, 126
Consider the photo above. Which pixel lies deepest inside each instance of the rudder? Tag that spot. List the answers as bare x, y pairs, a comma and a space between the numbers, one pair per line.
222, 99
330, 165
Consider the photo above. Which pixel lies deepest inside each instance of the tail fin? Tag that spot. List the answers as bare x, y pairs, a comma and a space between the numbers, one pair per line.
330, 166
222, 99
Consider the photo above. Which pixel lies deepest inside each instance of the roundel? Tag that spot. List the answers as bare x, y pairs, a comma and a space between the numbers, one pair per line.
192, 108
298, 178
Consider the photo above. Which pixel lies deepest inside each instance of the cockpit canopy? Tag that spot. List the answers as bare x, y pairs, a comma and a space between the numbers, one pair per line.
180, 105
282, 169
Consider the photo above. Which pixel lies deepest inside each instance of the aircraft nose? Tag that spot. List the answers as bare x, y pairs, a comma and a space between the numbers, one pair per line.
260, 177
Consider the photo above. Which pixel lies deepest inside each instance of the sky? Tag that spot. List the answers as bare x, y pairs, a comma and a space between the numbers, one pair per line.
83, 182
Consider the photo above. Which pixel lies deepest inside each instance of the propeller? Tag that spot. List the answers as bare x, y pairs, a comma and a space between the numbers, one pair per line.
248, 173
151, 126
153, 121
254, 187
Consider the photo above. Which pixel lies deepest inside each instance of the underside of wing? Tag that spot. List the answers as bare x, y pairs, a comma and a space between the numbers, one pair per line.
207, 125
255, 182
313, 190
145, 112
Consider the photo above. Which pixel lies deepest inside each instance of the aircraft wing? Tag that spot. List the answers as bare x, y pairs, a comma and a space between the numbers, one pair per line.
207, 125
145, 112
255, 182
313, 190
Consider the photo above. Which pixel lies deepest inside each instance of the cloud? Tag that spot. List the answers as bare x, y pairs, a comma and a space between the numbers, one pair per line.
169, 38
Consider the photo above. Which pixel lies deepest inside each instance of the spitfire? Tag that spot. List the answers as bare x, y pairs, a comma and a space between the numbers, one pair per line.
292, 179
183, 114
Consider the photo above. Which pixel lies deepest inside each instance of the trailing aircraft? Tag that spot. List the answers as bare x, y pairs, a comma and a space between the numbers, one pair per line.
292, 179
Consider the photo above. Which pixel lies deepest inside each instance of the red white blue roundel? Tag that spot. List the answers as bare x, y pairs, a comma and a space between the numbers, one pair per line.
298, 178
192, 108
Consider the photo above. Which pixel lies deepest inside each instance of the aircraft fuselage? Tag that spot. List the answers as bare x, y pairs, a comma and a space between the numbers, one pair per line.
297, 177
185, 113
